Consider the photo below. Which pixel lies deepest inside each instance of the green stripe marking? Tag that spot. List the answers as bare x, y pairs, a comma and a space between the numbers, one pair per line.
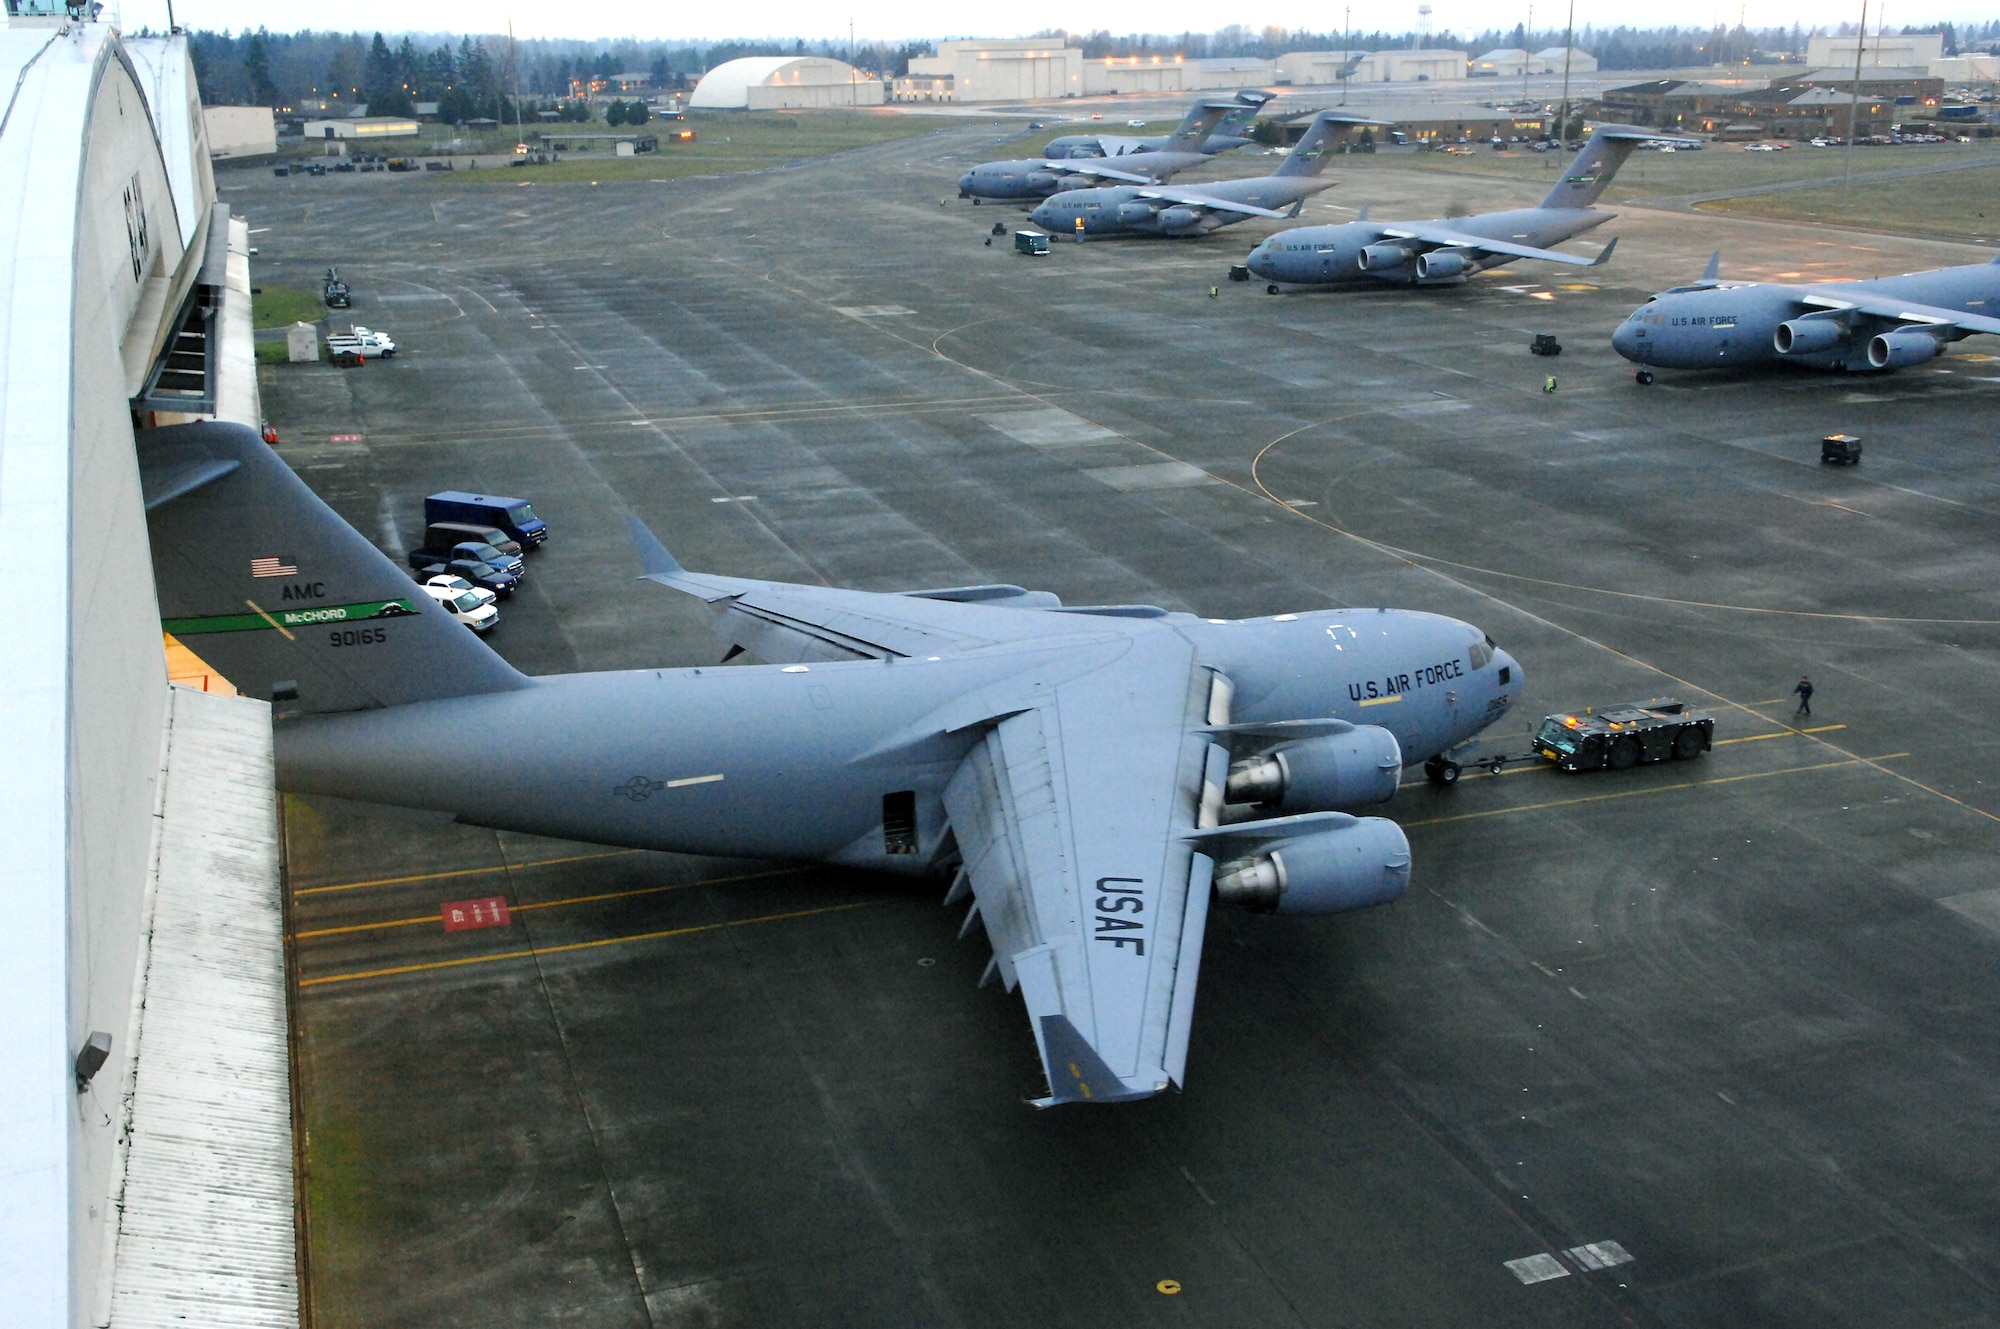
289, 618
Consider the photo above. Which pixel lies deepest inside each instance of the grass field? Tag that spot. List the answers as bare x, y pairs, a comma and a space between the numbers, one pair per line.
282, 306
1964, 205
725, 141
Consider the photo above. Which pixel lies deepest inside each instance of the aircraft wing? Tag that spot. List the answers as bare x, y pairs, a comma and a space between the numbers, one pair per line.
1195, 198
1090, 166
1903, 311
1444, 237
1119, 145
1071, 815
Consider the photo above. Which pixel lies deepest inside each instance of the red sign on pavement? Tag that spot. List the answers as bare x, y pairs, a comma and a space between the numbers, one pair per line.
465, 915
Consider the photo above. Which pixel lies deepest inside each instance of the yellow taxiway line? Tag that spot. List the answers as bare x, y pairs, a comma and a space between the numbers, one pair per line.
462, 872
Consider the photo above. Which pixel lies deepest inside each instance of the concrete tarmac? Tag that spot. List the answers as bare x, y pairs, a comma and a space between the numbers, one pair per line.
1708, 1044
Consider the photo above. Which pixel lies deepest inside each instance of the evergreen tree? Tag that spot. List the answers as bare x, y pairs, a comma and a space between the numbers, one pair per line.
614, 114
257, 69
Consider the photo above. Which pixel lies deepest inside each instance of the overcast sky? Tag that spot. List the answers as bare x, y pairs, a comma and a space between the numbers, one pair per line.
900, 19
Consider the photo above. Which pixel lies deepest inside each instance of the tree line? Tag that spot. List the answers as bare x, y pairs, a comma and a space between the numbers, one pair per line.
472, 76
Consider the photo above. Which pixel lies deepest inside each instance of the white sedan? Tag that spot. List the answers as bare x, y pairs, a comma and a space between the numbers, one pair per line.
465, 606
457, 586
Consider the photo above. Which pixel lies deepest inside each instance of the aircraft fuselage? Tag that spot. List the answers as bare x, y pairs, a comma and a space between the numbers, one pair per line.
1323, 255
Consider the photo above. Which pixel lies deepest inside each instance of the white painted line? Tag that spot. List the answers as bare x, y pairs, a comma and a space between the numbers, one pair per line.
1599, 1255
1537, 1268
711, 779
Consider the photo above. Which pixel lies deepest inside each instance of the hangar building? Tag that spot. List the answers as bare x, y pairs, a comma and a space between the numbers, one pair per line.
145, 1108
784, 83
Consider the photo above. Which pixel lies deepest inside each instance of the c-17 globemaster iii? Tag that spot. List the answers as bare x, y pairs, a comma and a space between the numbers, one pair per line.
1447, 250
1039, 177
1175, 210
1090, 778
1233, 132
1884, 323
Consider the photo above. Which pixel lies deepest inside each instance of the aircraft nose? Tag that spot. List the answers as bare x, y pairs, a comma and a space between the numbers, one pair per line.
1259, 260
1625, 341
1508, 671
967, 180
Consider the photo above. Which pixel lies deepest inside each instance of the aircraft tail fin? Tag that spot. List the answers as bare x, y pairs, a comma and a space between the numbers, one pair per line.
266, 583
1197, 125
1322, 138
1598, 162
1233, 130
1713, 272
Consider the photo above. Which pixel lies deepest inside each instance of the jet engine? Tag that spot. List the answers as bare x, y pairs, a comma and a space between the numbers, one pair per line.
1441, 263
1133, 212
1179, 219
1359, 766
1893, 350
1364, 863
1380, 258
1801, 336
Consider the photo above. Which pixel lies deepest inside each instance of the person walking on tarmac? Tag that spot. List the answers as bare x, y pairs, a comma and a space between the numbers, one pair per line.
1804, 691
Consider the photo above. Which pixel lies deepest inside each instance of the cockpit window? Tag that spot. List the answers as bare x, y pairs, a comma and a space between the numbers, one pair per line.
1481, 653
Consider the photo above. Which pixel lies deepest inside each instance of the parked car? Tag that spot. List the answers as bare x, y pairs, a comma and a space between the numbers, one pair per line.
445, 534
479, 574
373, 342
466, 607
457, 585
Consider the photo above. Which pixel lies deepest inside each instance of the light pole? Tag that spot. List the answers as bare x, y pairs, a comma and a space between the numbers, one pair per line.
1346, 51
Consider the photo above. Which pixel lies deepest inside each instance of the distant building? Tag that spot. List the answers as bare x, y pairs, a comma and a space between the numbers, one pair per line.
1550, 61
779, 82
1914, 49
1325, 67
1019, 69
1958, 69
365, 129
1172, 73
1507, 62
240, 131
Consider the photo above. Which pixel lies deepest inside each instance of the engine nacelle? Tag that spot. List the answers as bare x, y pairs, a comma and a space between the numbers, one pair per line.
1133, 212
1802, 336
1893, 350
1356, 866
1179, 219
1441, 263
1352, 769
1381, 258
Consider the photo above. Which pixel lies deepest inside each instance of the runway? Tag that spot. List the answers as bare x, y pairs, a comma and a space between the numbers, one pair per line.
1712, 1042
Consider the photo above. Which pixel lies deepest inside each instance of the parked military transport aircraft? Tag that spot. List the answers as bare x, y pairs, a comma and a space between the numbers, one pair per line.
1447, 250
1039, 177
1197, 210
1089, 777
1233, 132
1885, 323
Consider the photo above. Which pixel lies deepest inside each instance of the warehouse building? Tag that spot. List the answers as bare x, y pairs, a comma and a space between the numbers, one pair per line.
1017, 69
145, 1111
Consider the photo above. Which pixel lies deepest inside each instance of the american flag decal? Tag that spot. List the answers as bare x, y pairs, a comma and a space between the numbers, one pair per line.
273, 567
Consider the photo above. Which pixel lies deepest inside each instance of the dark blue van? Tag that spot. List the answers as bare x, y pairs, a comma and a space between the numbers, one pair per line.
511, 515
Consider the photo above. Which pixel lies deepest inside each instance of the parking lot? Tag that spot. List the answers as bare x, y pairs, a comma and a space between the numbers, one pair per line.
1734, 1015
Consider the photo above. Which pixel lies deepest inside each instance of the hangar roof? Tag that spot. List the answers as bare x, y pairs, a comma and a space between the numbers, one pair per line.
727, 86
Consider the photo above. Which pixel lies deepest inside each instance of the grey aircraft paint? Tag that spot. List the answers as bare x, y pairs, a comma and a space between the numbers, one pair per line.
1858, 326
884, 731
1445, 251
1170, 211
1232, 133
1040, 177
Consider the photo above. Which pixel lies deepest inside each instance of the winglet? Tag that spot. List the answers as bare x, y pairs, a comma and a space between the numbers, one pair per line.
1076, 1073
1715, 266
1605, 257
1363, 214
653, 556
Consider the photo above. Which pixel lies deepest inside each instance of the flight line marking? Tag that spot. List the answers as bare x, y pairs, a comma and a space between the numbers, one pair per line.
462, 872
1655, 789
535, 951
1782, 733
555, 904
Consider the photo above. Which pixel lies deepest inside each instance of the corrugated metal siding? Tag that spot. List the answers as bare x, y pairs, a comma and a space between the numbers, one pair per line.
206, 1236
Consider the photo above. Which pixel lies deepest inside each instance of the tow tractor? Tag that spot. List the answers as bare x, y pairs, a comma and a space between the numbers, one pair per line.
1620, 737
1615, 737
